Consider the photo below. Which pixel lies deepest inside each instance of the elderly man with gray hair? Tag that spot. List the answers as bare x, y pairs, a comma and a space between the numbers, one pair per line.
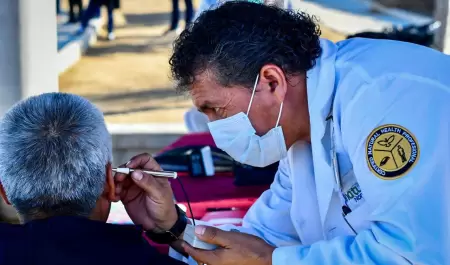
55, 170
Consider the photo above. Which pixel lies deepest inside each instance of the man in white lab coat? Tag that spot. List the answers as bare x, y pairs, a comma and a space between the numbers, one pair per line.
361, 129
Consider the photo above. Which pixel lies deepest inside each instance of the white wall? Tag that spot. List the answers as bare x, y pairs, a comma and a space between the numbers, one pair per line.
9, 49
28, 50
39, 46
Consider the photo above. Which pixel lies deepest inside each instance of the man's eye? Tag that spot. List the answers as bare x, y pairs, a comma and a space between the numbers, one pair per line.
216, 110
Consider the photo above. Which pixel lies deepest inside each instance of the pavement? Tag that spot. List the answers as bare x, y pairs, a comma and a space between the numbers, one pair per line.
129, 78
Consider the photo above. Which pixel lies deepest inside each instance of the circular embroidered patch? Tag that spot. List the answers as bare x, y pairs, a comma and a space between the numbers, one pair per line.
391, 151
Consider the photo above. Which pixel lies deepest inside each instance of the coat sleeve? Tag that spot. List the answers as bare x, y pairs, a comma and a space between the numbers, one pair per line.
409, 198
270, 216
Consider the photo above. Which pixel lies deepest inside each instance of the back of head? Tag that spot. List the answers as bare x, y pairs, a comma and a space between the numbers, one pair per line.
53, 152
236, 39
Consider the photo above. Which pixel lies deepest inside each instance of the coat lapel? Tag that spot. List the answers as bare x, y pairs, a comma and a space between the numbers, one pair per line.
305, 196
321, 88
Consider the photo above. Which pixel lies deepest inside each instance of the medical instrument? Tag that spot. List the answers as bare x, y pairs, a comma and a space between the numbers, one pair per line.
190, 237
161, 174
337, 175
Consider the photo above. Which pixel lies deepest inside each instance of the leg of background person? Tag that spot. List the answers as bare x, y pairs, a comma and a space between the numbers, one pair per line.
189, 12
90, 12
111, 6
58, 7
175, 15
80, 9
97, 11
116, 4
72, 11
87, 15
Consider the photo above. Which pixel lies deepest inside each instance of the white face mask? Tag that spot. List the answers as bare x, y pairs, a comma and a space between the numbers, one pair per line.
236, 136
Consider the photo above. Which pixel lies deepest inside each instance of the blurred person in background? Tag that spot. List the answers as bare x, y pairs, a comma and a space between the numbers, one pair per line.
208, 4
175, 16
195, 121
55, 169
93, 11
78, 5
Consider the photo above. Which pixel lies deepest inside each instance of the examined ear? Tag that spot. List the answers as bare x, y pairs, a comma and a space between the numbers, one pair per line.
3, 194
110, 186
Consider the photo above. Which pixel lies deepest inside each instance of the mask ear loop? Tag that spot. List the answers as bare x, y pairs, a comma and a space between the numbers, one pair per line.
253, 94
279, 115
251, 101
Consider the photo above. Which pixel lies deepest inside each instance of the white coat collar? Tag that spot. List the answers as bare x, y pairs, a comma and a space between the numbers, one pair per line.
320, 89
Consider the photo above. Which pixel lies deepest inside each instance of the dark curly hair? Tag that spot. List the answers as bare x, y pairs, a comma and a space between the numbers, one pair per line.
238, 38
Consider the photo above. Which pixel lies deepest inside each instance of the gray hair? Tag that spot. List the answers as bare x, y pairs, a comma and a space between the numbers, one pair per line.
54, 149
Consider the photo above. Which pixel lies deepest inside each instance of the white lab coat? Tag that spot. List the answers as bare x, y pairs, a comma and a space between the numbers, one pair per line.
402, 221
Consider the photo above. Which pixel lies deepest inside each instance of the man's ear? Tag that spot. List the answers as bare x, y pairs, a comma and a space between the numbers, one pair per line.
3, 194
110, 187
273, 78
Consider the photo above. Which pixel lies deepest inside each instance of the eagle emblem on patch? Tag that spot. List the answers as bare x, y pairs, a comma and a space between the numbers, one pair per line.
391, 151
